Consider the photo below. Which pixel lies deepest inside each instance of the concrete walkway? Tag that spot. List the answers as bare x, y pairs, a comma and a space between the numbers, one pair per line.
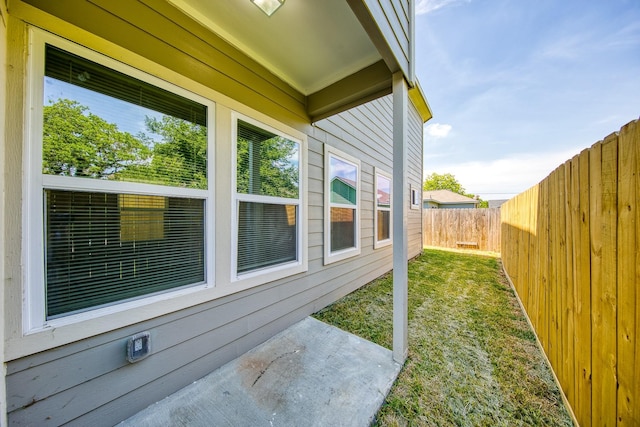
311, 374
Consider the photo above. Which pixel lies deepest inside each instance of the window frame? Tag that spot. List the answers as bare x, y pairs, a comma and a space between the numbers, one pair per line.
339, 255
376, 208
414, 197
35, 182
300, 265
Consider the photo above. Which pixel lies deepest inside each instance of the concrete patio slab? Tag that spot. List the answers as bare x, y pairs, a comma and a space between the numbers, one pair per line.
311, 374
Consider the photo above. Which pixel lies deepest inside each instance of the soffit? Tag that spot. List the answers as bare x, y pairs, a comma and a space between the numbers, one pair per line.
309, 44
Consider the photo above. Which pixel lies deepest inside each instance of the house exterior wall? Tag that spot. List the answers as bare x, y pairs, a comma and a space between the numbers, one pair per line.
430, 205
87, 380
458, 206
415, 176
395, 28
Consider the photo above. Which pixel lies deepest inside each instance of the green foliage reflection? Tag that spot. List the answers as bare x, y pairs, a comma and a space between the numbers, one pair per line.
81, 144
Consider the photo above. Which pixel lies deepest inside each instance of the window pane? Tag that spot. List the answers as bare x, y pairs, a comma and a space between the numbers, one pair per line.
384, 225
383, 185
343, 178
267, 164
141, 217
103, 248
343, 234
267, 235
99, 123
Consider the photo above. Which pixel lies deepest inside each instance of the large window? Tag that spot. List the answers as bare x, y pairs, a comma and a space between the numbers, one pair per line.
382, 205
342, 215
268, 199
119, 184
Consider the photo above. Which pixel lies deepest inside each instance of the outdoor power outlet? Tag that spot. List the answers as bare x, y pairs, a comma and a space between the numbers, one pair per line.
138, 346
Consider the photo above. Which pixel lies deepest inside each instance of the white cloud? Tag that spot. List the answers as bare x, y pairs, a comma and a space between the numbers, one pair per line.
438, 130
506, 177
427, 6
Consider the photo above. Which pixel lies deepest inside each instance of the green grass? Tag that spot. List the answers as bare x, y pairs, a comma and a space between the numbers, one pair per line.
473, 360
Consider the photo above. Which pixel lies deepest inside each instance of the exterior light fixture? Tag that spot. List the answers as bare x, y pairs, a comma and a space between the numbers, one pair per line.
268, 6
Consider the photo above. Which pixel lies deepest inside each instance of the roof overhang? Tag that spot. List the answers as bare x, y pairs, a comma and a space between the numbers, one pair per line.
337, 54
308, 44
309, 60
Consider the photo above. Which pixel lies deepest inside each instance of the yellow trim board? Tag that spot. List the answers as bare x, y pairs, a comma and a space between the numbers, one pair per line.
420, 102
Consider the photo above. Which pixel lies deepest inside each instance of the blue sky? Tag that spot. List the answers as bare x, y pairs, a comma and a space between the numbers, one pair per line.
129, 117
519, 86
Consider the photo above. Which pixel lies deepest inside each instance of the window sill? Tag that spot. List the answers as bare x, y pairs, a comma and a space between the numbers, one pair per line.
341, 255
382, 243
259, 277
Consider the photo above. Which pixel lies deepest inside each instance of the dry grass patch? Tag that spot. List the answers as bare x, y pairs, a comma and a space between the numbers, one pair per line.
473, 360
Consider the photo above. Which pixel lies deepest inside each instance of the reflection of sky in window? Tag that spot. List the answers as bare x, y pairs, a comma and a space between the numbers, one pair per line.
294, 161
384, 184
342, 169
128, 117
294, 158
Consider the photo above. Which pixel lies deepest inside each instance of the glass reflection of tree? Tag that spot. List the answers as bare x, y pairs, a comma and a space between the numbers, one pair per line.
267, 165
79, 143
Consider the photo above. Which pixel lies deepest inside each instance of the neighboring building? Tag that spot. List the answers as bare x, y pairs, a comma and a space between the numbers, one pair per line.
445, 199
343, 190
497, 203
217, 228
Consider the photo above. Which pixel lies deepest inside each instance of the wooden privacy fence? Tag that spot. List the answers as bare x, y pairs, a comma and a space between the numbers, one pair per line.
571, 248
462, 228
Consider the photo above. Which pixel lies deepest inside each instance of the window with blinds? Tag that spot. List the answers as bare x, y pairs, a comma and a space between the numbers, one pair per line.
382, 206
342, 186
268, 198
103, 246
97, 256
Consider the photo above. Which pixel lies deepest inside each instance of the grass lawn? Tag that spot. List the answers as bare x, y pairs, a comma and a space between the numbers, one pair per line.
473, 360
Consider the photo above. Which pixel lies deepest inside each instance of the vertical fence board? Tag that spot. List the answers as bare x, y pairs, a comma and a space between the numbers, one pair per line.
603, 272
522, 259
586, 382
575, 239
561, 277
608, 297
454, 229
534, 261
543, 248
582, 277
595, 230
628, 274
568, 307
531, 200
554, 341
635, 378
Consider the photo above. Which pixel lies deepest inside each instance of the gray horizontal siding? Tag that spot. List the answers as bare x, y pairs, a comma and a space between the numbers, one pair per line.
415, 148
90, 383
392, 17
